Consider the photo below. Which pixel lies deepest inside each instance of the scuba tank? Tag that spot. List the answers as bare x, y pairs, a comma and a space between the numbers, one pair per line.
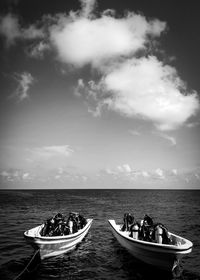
134, 231
159, 234
70, 225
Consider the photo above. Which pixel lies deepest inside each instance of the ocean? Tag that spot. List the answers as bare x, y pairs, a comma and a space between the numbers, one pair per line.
99, 256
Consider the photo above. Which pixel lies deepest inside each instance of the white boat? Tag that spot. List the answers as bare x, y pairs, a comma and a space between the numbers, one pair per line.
162, 256
55, 245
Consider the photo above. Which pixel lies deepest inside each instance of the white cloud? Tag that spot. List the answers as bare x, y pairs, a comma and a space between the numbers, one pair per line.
4, 174
26, 176
38, 50
171, 139
60, 170
84, 178
109, 171
134, 132
47, 152
174, 171
80, 86
11, 29
193, 124
160, 173
24, 80
125, 168
145, 174
101, 38
87, 7
197, 176
148, 89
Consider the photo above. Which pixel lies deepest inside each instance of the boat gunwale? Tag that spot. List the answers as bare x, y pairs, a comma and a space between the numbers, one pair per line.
57, 238
165, 247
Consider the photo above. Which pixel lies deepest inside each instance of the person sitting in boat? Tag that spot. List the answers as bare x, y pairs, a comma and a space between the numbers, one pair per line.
72, 223
82, 221
66, 229
58, 217
78, 221
147, 229
58, 229
48, 228
75, 225
148, 221
128, 221
61, 229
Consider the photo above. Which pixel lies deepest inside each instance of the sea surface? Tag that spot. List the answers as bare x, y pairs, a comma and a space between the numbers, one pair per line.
99, 256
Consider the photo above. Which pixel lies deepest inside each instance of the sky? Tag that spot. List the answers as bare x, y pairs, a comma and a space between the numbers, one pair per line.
99, 94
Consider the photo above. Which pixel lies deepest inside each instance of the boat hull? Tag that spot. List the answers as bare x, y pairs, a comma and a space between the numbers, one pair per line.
54, 246
163, 256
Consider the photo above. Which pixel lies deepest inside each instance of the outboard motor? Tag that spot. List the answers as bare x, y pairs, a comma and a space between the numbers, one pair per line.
159, 234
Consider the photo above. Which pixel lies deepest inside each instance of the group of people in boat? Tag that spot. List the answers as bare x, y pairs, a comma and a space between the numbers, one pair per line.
60, 225
146, 229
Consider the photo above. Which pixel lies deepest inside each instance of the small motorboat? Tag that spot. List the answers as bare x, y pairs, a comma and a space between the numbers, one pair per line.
162, 256
55, 245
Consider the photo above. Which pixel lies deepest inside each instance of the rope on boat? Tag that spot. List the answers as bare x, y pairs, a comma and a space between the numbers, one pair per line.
31, 266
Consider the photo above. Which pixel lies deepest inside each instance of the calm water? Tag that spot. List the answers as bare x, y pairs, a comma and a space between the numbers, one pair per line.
99, 256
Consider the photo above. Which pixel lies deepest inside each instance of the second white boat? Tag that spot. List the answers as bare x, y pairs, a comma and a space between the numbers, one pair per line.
163, 256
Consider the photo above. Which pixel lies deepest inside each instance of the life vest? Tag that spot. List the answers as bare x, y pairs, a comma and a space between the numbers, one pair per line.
148, 220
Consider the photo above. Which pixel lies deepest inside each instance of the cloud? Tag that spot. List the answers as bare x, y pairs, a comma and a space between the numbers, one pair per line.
101, 38
87, 7
145, 174
4, 174
48, 152
134, 132
80, 86
174, 171
24, 80
125, 168
148, 89
193, 124
38, 50
160, 173
11, 29
171, 139
26, 176
197, 176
